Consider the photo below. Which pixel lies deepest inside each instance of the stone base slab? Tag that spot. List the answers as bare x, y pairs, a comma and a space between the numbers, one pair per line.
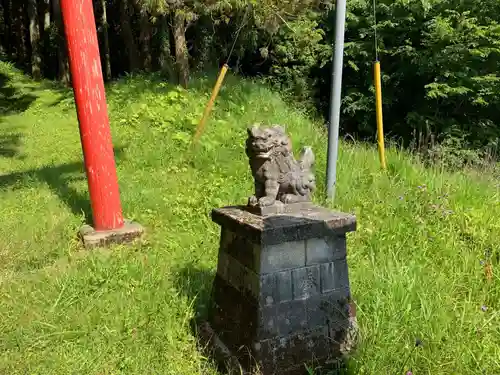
279, 208
228, 362
93, 238
212, 344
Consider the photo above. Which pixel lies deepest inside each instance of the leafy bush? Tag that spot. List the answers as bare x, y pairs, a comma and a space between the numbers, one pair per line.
440, 58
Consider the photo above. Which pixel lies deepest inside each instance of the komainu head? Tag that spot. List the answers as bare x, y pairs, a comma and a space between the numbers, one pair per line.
264, 143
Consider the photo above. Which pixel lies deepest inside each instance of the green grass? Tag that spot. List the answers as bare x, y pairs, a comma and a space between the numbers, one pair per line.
414, 261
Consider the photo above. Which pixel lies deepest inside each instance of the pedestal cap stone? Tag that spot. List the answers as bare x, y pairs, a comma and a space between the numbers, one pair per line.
310, 222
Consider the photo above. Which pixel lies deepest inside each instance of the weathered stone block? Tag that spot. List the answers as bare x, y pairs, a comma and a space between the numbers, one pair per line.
282, 256
341, 274
327, 309
328, 277
237, 275
292, 317
239, 247
325, 249
223, 264
334, 276
268, 292
276, 287
226, 238
277, 355
231, 310
282, 319
306, 282
284, 285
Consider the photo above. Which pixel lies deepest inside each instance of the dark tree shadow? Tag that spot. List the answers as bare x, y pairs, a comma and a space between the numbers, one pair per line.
13, 100
195, 283
9, 145
59, 179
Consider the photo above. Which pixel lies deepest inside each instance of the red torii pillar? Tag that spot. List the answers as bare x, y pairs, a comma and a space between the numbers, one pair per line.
95, 134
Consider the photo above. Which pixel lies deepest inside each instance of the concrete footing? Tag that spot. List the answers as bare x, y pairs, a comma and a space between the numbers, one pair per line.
92, 238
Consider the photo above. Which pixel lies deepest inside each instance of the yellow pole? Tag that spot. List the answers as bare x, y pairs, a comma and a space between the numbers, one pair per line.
378, 102
210, 103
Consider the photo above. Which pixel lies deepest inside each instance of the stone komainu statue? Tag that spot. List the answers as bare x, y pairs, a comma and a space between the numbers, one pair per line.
277, 175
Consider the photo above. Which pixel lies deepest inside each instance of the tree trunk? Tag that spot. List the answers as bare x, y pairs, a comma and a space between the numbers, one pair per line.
9, 42
47, 50
145, 38
36, 59
181, 52
20, 32
62, 53
46, 16
105, 36
166, 61
128, 36
3, 26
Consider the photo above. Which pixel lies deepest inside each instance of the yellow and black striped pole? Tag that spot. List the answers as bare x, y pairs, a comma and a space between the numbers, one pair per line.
220, 79
378, 104
210, 103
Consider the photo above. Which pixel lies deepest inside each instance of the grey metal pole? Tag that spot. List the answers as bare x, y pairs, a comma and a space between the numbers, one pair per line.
336, 92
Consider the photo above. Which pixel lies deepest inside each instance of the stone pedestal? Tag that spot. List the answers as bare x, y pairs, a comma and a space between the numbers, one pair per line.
281, 296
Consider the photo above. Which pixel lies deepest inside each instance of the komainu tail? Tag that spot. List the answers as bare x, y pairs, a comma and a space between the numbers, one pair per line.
306, 159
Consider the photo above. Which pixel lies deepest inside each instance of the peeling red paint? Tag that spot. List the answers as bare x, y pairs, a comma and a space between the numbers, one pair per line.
90, 98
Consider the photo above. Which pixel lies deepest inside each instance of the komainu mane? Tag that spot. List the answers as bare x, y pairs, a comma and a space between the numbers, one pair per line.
277, 175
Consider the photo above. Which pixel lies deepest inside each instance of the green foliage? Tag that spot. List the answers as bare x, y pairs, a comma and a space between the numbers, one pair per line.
440, 62
440, 58
296, 51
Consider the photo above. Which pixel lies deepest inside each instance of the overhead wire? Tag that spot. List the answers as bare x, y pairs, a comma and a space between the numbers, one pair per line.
220, 79
243, 24
375, 36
